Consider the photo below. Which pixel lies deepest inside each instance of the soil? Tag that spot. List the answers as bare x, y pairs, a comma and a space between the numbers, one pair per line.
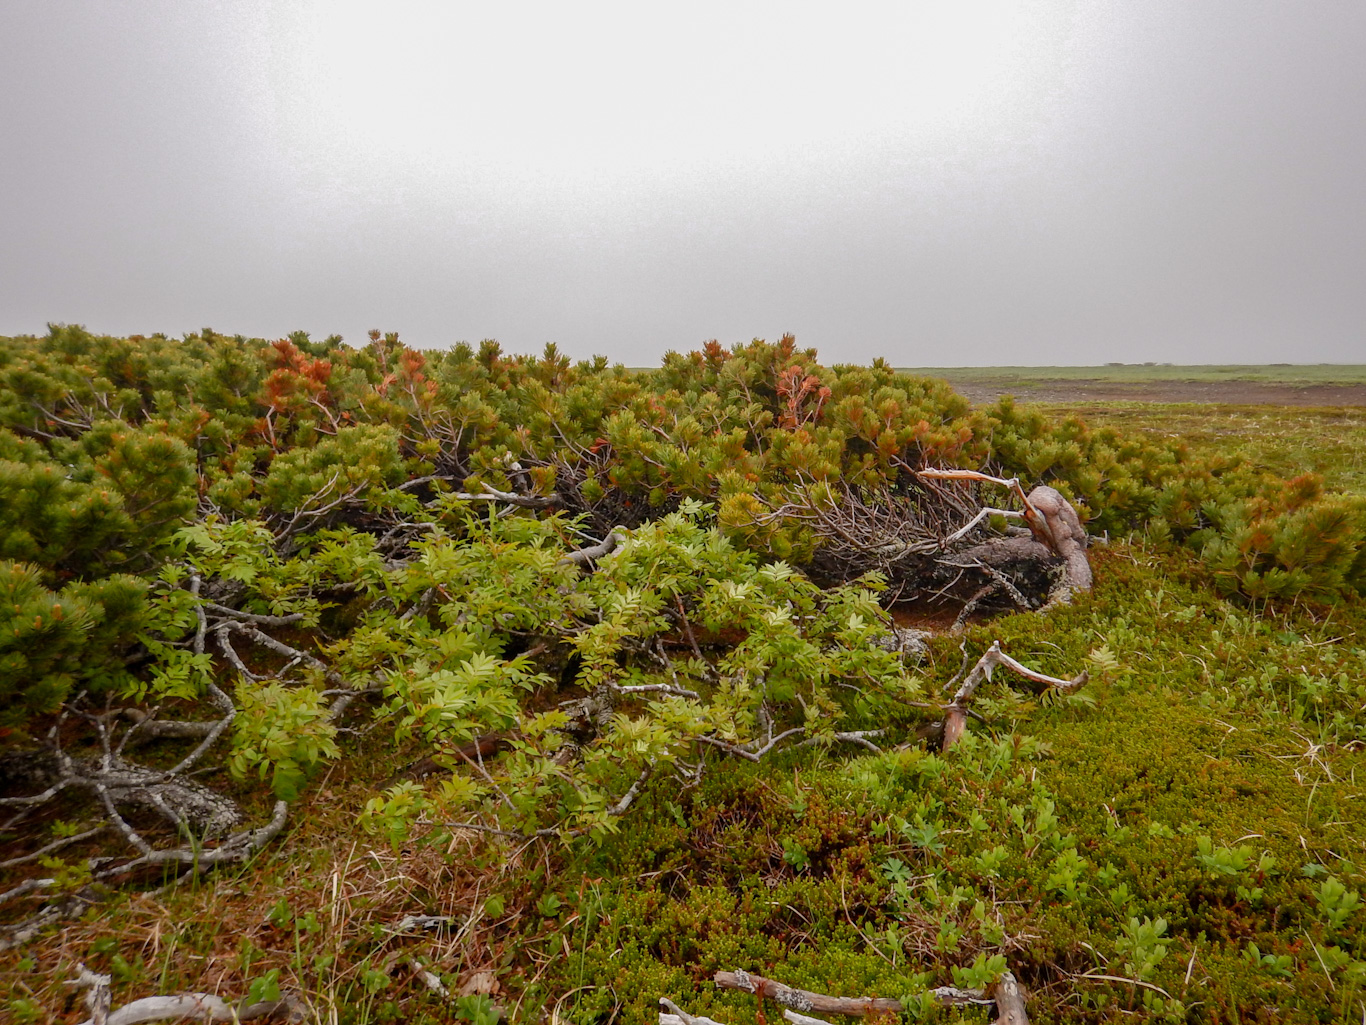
1239, 393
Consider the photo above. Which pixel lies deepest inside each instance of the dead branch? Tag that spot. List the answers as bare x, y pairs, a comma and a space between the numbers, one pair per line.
52, 848
927, 536
804, 1000
26, 887
1006, 993
955, 716
594, 552
1010, 1001
60, 910
280, 647
252, 617
1049, 516
677, 1016
752, 754
199, 1006
235, 848
125, 784
508, 497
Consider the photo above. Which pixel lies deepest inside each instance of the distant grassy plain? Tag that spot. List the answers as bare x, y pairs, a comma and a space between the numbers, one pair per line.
1142, 373
1286, 419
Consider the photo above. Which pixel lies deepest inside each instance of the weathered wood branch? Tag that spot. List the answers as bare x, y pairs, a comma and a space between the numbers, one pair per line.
254, 617
803, 1000
198, 1006
956, 714
594, 552
1049, 516
677, 1016
1010, 1001
1006, 993
125, 784
508, 497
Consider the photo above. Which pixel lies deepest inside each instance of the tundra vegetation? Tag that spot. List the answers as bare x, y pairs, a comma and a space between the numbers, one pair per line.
369, 684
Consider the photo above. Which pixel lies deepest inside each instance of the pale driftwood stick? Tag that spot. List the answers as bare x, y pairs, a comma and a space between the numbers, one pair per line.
594, 552
510, 497
1062, 686
982, 514
252, 617
1007, 994
97, 1000
956, 715
1013, 483
994, 657
804, 1000
1010, 1001
796, 1018
55, 845
1050, 517
196, 1006
677, 1016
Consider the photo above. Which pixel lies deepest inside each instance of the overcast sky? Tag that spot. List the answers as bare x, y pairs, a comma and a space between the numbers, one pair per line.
942, 183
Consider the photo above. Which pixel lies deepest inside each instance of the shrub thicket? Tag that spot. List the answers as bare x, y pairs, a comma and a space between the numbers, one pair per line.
108, 446
298, 528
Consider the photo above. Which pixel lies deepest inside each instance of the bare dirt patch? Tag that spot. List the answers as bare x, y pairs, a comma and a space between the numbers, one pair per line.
1242, 393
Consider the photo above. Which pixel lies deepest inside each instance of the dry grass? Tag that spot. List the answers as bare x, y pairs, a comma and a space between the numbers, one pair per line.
320, 908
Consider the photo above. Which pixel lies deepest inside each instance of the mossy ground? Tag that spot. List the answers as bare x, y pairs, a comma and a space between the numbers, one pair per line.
1182, 824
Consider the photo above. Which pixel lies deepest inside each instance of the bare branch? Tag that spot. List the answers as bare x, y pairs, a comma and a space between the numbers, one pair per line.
229, 714
804, 1000
510, 497
594, 552
51, 848
199, 1006
253, 617
27, 886
955, 716
621, 806
757, 753
677, 1016
1006, 994
655, 688
859, 737
280, 647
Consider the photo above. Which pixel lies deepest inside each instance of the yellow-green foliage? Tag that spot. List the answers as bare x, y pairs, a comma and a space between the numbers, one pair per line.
51, 642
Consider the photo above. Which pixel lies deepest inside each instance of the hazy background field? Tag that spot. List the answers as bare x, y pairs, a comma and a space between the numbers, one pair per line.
1131, 373
1313, 385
